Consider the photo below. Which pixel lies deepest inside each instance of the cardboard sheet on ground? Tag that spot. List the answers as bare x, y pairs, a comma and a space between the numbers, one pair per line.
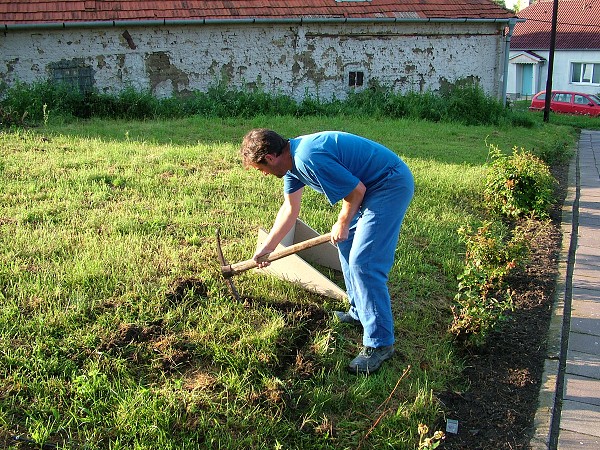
296, 269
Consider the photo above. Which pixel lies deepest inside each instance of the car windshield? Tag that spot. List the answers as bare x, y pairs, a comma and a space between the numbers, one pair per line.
596, 99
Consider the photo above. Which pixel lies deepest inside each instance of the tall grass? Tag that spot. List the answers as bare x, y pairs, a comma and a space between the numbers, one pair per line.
116, 329
463, 103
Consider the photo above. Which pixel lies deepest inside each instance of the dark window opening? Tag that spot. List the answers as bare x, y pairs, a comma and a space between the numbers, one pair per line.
73, 73
356, 79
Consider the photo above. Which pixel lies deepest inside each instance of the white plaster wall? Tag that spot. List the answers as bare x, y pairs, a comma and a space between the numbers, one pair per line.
294, 60
561, 78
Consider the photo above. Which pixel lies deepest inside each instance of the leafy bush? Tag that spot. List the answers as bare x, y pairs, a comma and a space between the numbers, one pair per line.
519, 184
483, 297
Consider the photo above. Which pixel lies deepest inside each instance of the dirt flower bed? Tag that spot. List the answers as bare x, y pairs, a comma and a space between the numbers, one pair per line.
497, 409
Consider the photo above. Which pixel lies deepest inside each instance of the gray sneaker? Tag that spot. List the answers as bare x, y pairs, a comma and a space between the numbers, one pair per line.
370, 359
345, 317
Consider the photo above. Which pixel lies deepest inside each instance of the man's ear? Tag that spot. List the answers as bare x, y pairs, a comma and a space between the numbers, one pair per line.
269, 158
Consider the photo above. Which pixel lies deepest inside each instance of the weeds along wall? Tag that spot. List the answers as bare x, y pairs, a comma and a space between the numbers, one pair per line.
323, 60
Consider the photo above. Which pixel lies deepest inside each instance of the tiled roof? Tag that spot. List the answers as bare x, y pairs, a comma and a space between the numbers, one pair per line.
578, 26
43, 11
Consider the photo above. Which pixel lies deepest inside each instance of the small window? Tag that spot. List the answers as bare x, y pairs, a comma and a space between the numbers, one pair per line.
73, 73
585, 73
356, 79
581, 100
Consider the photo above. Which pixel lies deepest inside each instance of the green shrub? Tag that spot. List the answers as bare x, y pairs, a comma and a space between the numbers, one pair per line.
468, 104
427, 106
519, 184
555, 151
28, 100
483, 297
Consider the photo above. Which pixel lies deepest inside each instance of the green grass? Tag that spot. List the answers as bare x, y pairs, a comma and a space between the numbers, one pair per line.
117, 331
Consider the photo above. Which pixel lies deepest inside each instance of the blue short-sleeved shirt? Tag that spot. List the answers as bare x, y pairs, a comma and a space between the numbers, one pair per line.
333, 162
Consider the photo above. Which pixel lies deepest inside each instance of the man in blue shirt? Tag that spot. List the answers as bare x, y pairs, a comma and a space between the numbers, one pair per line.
375, 188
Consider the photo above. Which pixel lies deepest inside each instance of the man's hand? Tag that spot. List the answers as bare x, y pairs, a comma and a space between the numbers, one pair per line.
339, 233
261, 257
350, 206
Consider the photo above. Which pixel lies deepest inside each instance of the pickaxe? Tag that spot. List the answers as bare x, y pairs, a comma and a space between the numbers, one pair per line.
229, 270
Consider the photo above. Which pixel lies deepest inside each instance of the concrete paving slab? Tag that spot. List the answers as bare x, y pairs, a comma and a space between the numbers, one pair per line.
589, 203
590, 175
587, 237
583, 251
588, 283
567, 440
587, 295
582, 254
590, 192
585, 325
589, 213
585, 343
588, 183
587, 268
580, 418
587, 262
583, 364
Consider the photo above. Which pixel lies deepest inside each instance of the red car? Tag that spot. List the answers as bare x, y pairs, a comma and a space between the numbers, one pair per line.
568, 102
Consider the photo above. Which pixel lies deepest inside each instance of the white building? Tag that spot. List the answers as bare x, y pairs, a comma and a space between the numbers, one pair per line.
322, 48
576, 64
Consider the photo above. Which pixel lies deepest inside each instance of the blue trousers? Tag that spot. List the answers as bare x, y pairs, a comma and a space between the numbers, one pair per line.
368, 254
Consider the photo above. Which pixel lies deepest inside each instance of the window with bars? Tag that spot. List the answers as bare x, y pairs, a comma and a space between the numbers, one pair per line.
356, 78
73, 73
585, 73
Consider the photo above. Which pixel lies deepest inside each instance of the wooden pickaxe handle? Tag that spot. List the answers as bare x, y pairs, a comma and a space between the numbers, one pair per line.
230, 270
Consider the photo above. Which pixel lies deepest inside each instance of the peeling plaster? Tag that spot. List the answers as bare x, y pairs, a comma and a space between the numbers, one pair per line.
10, 64
100, 62
311, 69
288, 59
165, 78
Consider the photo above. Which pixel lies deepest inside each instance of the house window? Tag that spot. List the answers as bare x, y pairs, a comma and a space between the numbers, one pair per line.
356, 79
585, 73
73, 73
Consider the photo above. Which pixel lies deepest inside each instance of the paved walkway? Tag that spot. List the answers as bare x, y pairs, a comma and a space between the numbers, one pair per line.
568, 416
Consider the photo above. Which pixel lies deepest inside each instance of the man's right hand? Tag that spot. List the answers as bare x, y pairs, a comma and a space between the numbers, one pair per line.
261, 257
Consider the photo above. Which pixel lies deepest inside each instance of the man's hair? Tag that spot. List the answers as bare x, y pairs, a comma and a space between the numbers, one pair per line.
259, 143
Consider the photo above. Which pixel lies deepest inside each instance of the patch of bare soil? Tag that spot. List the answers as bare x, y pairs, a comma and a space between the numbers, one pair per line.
497, 410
